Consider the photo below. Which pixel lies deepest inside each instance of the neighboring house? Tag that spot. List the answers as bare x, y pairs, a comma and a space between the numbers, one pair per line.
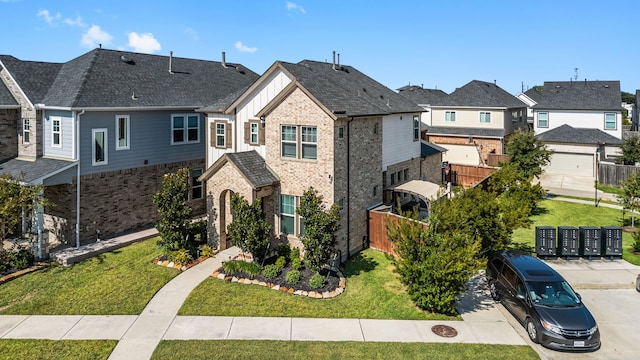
581, 121
312, 124
100, 131
474, 121
424, 98
635, 121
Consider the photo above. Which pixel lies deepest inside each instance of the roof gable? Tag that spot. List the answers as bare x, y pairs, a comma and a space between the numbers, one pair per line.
569, 134
6, 98
250, 165
578, 95
33, 77
482, 94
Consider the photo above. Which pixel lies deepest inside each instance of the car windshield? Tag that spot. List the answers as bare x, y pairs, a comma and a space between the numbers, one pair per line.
552, 293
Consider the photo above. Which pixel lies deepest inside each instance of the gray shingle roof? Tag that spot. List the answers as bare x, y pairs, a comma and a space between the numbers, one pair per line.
568, 134
6, 99
459, 131
348, 92
34, 77
482, 94
111, 78
29, 171
422, 96
254, 168
579, 95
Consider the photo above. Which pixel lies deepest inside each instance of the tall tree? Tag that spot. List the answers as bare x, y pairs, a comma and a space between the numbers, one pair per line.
174, 214
631, 150
14, 198
320, 226
249, 230
527, 153
630, 198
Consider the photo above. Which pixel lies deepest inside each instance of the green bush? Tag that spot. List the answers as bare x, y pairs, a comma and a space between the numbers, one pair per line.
281, 261
294, 253
180, 256
636, 242
5, 260
22, 259
316, 281
271, 271
293, 277
284, 250
206, 250
250, 268
296, 263
230, 267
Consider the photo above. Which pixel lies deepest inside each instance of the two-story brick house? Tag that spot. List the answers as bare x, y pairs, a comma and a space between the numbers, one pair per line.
100, 131
311, 124
581, 121
473, 121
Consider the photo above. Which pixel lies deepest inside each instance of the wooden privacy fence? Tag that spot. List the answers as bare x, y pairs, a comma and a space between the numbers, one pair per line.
468, 176
614, 174
495, 159
378, 238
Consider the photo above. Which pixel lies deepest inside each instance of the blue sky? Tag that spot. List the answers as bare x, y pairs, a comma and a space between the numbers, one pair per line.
437, 44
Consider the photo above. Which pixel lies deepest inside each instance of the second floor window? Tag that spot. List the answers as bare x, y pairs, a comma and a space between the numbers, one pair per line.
99, 150
254, 133
309, 142
416, 127
450, 116
485, 117
56, 133
220, 135
543, 119
26, 131
289, 142
185, 129
122, 132
610, 121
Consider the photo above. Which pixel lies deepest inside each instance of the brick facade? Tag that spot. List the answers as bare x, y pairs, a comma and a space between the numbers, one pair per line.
113, 202
8, 133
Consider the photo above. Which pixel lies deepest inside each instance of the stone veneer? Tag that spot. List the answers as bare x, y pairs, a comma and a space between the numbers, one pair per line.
34, 148
113, 202
8, 133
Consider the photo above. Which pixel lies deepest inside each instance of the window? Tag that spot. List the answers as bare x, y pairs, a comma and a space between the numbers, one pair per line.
185, 129
289, 141
221, 135
287, 214
514, 116
610, 121
122, 132
253, 133
399, 175
543, 119
341, 132
416, 127
393, 179
196, 186
375, 129
26, 131
485, 117
406, 174
375, 190
450, 116
99, 149
309, 142
56, 140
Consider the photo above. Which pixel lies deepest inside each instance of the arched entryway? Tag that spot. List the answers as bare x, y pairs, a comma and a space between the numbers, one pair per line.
225, 217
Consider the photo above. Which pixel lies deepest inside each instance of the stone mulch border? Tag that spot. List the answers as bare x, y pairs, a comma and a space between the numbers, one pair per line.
171, 264
312, 294
19, 273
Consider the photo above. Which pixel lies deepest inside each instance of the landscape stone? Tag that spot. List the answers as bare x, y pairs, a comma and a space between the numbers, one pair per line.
290, 291
215, 274
276, 287
171, 264
298, 292
262, 283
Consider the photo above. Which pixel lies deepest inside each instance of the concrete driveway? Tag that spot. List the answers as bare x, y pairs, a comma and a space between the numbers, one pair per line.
608, 289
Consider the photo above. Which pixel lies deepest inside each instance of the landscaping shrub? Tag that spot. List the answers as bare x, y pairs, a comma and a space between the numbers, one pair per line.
316, 281
293, 277
250, 268
231, 266
636, 242
206, 250
180, 256
22, 259
271, 271
284, 250
296, 263
294, 253
281, 261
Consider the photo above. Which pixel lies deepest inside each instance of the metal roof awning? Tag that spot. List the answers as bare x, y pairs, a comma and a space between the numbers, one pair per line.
424, 189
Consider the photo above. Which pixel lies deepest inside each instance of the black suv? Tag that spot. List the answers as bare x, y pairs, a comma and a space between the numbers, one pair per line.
540, 299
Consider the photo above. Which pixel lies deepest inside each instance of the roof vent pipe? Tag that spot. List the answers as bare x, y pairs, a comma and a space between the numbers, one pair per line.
170, 60
224, 61
338, 61
334, 61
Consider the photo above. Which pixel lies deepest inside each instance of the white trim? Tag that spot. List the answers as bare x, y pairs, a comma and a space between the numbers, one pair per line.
53, 132
185, 129
93, 147
485, 113
223, 135
127, 132
25, 130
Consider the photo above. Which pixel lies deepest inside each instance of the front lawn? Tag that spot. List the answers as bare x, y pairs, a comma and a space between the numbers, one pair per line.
120, 282
11, 349
561, 213
248, 349
373, 291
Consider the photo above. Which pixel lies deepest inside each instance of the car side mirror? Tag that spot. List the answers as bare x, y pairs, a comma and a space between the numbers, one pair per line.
579, 297
520, 296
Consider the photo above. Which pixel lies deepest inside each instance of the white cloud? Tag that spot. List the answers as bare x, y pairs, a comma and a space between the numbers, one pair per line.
94, 36
295, 7
192, 33
75, 22
144, 43
48, 17
244, 48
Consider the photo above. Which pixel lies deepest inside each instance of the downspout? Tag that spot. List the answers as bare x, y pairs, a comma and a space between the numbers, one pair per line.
78, 178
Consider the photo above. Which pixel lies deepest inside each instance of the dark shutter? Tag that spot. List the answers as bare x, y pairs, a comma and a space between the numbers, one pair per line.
247, 133
261, 134
228, 135
212, 135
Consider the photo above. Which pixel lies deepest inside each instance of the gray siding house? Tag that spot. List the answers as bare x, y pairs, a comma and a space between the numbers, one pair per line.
100, 131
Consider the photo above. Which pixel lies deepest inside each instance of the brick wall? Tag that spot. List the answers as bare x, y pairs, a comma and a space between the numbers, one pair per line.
432, 168
8, 133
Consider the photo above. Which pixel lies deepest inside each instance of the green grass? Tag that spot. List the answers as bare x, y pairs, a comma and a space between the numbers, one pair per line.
561, 213
116, 283
49, 349
246, 349
373, 291
610, 189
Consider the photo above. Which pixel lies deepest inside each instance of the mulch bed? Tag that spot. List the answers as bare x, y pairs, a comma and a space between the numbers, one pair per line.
332, 281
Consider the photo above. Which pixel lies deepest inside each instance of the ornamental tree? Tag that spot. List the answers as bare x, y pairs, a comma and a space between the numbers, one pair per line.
527, 153
249, 230
175, 215
320, 226
14, 198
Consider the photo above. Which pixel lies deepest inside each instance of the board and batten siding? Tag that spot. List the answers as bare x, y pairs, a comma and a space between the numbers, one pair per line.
150, 140
67, 134
397, 139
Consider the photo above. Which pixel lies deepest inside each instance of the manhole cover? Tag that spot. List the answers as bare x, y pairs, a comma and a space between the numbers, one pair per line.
444, 330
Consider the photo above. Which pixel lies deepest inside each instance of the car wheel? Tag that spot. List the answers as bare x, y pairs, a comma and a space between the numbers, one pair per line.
532, 331
493, 290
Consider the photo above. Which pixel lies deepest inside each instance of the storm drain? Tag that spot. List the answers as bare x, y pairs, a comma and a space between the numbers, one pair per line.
444, 331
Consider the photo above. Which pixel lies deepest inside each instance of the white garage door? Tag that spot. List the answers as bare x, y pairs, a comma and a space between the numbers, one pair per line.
570, 164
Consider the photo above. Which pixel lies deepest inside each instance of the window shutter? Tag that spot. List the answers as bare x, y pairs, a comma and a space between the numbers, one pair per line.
260, 134
247, 133
212, 135
228, 135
